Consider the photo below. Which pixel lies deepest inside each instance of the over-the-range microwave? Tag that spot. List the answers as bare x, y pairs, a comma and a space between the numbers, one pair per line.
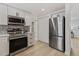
14, 20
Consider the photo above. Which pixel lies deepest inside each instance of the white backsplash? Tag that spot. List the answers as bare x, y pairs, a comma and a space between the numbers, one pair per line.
3, 29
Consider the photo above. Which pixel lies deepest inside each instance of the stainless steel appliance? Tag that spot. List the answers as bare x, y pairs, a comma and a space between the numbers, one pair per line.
57, 33
17, 37
17, 44
15, 32
17, 40
13, 20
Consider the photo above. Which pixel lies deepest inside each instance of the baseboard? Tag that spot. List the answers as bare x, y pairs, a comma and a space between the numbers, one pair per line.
43, 42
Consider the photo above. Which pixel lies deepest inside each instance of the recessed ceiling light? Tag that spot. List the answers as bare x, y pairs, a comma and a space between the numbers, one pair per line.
42, 9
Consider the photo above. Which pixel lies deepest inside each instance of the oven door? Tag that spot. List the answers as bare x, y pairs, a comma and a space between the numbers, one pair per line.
17, 44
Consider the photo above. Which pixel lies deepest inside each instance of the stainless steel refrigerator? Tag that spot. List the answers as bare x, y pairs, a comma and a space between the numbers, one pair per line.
57, 33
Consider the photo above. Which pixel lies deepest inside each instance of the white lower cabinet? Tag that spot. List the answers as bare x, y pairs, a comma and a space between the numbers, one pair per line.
30, 39
4, 45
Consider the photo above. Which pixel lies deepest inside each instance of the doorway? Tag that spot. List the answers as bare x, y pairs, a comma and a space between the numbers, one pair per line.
74, 29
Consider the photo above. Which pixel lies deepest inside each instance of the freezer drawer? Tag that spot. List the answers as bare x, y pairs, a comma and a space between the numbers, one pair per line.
61, 44
53, 42
57, 43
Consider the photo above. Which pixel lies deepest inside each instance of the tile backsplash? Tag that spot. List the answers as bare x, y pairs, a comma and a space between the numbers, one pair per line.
3, 29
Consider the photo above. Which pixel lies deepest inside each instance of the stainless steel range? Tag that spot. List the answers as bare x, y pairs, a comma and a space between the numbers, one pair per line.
16, 32
17, 37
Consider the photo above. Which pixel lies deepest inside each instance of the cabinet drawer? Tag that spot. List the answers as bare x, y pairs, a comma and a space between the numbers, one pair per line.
29, 38
29, 35
30, 43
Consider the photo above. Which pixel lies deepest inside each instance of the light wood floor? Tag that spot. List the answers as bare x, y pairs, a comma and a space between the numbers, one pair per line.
75, 47
40, 49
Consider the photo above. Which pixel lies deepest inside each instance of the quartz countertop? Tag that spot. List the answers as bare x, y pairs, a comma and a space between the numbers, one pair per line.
4, 35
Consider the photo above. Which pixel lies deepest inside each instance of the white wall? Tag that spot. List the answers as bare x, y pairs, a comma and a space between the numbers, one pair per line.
43, 29
67, 29
75, 19
75, 28
36, 28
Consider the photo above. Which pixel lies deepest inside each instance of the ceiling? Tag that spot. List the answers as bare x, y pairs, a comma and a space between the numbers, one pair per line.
35, 8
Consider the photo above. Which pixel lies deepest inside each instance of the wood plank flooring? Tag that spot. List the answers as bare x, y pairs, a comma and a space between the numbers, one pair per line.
75, 47
40, 49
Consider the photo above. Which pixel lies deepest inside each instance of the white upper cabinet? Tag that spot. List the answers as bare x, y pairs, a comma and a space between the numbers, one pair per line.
16, 12
12, 11
28, 20
3, 14
20, 13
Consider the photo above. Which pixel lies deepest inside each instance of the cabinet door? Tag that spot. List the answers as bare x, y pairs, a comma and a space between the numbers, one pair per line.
13, 11
3, 15
22, 14
30, 39
4, 46
28, 20
16, 12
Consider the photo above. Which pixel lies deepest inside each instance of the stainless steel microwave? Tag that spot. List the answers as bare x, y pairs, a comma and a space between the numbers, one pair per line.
14, 20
